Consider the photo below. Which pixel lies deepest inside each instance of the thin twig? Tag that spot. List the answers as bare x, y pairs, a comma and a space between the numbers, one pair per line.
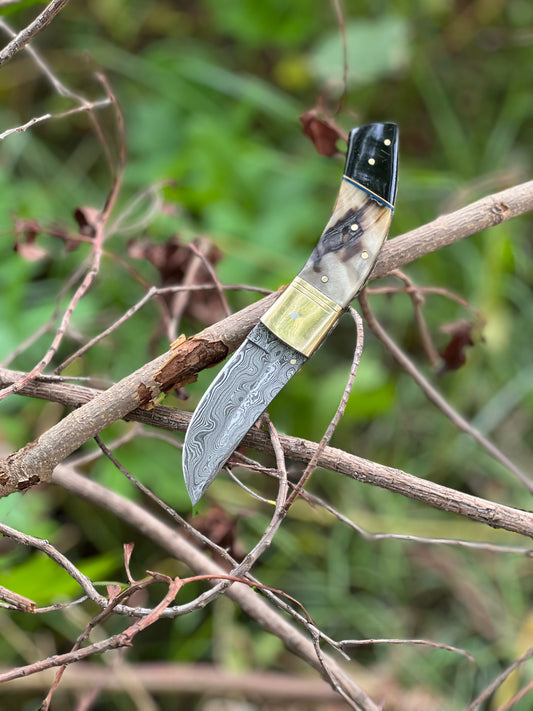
45, 117
193, 268
441, 291
420, 489
422, 642
54, 80
338, 414
29, 32
329, 672
48, 549
418, 301
214, 276
498, 681
166, 537
342, 27
459, 543
154, 192
519, 695
436, 398
103, 334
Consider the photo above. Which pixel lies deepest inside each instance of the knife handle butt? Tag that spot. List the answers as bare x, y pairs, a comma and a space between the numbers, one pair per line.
372, 160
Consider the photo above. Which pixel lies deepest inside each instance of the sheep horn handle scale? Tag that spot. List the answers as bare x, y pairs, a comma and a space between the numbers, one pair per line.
305, 313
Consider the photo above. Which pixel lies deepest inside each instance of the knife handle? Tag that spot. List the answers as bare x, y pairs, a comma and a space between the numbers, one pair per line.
341, 263
345, 254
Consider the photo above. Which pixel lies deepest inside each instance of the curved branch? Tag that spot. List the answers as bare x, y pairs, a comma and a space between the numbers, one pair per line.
487, 212
29, 32
302, 450
170, 539
35, 462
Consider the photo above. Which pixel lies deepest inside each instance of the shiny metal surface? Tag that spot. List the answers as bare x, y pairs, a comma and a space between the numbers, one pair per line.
302, 316
237, 397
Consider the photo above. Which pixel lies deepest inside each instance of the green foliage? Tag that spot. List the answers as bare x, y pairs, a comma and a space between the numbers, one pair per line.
375, 50
20, 5
211, 93
39, 579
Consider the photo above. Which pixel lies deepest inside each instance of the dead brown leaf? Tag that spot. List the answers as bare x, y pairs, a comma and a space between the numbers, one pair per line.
323, 132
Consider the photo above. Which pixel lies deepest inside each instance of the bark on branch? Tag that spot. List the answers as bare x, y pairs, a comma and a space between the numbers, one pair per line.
302, 450
35, 462
250, 602
487, 212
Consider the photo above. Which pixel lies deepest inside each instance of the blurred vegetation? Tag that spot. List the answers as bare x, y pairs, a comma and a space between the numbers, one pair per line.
211, 93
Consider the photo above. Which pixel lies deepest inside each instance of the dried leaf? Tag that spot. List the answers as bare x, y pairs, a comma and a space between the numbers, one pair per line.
323, 133
88, 219
26, 232
178, 265
128, 551
454, 355
31, 252
220, 528
112, 591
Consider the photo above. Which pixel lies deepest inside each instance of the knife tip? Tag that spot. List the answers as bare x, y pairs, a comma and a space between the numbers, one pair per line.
195, 483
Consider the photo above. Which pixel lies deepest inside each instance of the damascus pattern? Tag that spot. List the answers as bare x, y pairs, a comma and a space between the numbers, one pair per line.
238, 396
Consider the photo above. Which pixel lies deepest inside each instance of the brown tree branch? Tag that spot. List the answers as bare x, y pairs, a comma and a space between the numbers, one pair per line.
301, 450
170, 539
29, 32
176, 678
35, 462
487, 212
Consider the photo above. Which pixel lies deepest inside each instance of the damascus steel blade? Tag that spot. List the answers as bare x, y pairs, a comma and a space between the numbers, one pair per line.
238, 396
305, 312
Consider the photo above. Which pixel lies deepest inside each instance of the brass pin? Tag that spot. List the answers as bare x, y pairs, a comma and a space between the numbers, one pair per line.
371, 161
364, 255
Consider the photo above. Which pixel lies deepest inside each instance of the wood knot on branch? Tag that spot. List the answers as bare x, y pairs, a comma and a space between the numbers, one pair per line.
500, 211
24, 484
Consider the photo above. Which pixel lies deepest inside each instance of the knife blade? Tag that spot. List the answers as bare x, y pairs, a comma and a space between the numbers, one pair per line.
305, 313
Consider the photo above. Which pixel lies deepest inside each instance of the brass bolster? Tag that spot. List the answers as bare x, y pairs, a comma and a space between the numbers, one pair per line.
302, 316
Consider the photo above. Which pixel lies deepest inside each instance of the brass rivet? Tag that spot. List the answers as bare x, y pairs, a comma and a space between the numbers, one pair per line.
387, 141
354, 227
293, 361
364, 255
324, 279
371, 161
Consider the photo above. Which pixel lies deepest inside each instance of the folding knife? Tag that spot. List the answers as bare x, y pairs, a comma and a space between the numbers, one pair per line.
305, 313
